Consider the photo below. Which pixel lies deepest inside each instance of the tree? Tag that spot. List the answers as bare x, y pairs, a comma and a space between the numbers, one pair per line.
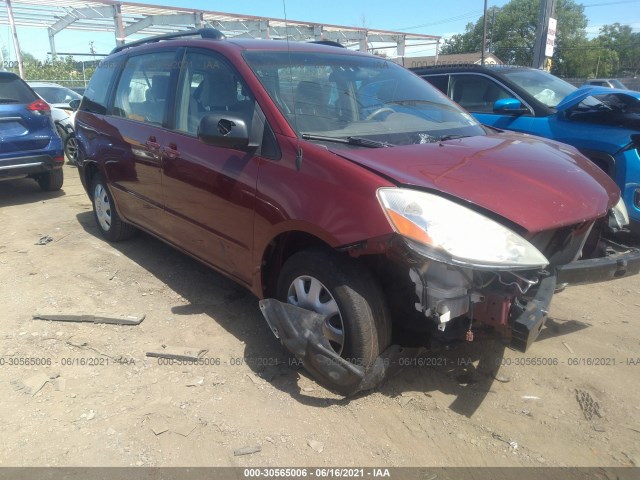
64, 71
513, 31
625, 43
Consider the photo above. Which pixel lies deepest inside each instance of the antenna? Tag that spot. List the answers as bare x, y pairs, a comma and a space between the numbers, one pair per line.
295, 109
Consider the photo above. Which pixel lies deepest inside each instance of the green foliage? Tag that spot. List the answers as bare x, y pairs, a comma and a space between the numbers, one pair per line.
511, 36
621, 40
62, 70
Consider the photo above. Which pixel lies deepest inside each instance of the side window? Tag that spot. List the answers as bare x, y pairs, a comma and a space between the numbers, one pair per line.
209, 85
96, 95
144, 87
476, 93
441, 82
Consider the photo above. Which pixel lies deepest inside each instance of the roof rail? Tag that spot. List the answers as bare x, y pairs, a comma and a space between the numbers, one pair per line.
331, 43
211, 33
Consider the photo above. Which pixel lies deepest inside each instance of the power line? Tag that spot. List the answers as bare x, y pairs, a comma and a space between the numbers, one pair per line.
604, 4
463, 16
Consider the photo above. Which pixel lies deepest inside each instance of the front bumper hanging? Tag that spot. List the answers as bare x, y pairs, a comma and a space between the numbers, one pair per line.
300, 331
594, 270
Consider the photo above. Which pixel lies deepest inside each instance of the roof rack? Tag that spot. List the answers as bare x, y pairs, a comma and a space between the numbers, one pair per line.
331, 43
211, 33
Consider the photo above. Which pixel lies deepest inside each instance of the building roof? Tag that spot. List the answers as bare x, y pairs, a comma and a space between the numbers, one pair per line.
128, 18
454, 59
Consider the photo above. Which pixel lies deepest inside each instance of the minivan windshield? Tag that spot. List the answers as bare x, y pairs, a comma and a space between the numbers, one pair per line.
338, 97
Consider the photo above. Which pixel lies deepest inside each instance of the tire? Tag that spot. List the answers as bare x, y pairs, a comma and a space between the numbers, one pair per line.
71, 149
361, 328
104, 212
51, 180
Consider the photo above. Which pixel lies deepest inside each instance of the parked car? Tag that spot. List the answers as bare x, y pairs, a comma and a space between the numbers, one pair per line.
344, 191
603, 123
29, 144
63, 102
605, 82
78, 90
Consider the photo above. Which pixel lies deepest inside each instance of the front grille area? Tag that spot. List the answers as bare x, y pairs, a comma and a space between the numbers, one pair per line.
564, 245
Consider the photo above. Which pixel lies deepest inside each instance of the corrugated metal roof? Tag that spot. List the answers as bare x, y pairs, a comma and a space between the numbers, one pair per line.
142, 19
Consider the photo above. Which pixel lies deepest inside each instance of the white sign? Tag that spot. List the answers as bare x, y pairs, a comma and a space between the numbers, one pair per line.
551, 37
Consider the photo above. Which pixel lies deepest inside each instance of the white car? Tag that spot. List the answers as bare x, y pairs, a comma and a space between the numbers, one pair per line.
63, 102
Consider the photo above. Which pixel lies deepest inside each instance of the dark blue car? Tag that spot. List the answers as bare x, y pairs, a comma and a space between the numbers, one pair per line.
603, 123
29, 144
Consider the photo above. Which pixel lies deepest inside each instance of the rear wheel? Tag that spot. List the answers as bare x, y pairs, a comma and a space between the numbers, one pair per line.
71, 149
51, 181
109, 222
357, 324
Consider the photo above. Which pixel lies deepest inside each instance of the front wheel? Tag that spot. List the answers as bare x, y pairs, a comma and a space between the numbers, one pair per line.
109, 222
357, 323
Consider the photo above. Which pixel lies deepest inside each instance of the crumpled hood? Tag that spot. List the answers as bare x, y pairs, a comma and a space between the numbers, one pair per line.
537, 184
574, 98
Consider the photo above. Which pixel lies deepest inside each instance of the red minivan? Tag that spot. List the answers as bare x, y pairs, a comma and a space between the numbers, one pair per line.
345, 191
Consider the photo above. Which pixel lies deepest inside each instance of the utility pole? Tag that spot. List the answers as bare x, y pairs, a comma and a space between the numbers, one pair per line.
547, 11
493, 24
484, 34
16, 44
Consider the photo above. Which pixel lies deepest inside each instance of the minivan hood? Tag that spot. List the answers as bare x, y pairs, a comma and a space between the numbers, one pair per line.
575, 97
537, 184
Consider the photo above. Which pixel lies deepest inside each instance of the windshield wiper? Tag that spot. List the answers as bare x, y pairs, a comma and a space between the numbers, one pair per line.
359, 141
8, 100
444, 138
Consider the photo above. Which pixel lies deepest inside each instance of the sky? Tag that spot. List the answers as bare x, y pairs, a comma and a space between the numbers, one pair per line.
412, 16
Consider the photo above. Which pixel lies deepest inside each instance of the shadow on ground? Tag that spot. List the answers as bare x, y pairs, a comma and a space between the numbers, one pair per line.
23, 191
207, 292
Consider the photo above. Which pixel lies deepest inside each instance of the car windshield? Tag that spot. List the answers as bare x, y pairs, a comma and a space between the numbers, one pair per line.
350, 98
617, 84
545, 87
54, 94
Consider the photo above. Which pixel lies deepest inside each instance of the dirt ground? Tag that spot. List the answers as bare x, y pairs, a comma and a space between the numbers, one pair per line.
105, 403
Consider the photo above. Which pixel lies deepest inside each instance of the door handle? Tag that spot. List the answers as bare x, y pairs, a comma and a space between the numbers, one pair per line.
152, 144
171, 152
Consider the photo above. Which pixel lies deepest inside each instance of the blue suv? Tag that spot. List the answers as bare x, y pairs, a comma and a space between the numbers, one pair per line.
601, 122
29, 144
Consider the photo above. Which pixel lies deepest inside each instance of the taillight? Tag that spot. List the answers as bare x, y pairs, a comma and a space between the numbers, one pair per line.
58, 159
39, 106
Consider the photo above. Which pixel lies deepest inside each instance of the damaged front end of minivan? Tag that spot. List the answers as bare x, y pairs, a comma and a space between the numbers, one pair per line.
441, 282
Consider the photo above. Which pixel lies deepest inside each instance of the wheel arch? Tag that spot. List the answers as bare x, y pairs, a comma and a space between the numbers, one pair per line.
89, 170
281, 248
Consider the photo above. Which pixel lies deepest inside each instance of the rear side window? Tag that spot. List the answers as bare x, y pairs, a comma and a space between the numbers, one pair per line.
143, 87
441, 82
14, 90
97, 93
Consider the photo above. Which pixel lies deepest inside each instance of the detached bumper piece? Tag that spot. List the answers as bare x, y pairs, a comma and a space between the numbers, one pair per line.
528, 324
595, 270
300, 331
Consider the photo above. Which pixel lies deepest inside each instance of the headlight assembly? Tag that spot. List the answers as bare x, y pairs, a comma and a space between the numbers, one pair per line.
448, 232
618, 216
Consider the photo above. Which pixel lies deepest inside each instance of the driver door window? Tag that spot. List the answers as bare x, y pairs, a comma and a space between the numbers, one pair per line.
208, 85
476, 93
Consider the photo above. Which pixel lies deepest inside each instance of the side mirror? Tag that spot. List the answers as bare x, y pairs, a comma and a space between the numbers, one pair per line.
509, 106
224, 131
74, 104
